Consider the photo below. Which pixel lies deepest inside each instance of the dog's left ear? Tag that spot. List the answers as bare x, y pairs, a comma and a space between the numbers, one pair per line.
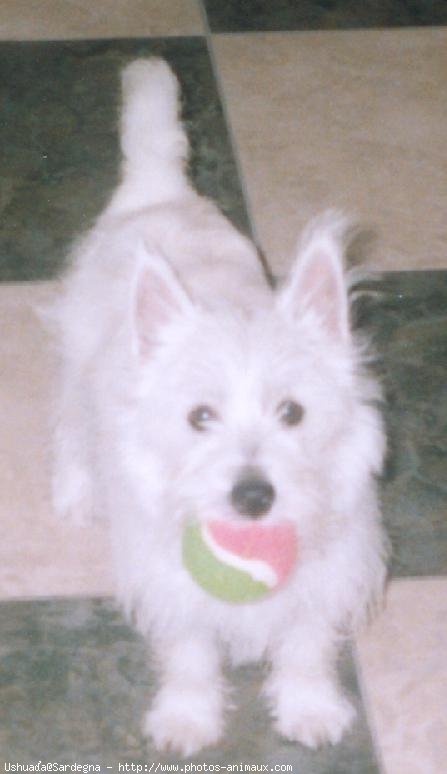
159, 300
317, 283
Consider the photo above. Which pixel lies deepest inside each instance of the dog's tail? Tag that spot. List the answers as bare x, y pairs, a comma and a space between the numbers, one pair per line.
153, 141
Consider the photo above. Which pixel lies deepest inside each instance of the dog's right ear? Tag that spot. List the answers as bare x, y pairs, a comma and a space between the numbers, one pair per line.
158, 301
317, 283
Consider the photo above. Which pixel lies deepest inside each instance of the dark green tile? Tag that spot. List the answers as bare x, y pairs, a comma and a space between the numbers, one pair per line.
74, 683
59, 163
263, 15
409, 324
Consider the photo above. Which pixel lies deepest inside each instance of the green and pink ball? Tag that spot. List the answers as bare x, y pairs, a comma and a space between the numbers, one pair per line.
239, 562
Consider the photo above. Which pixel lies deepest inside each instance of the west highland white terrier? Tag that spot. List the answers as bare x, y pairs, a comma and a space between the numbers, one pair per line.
191, 388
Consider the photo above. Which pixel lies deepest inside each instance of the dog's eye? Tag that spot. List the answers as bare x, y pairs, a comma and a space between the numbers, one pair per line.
200, 417
290, 412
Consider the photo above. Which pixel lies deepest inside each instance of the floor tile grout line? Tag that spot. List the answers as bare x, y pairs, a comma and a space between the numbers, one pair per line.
323, 30
367, 708
226, 115
232, 136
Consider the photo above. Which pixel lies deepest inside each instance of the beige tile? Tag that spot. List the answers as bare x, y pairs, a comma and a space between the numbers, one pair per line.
356, 120
403, 662
39, 556
47, 19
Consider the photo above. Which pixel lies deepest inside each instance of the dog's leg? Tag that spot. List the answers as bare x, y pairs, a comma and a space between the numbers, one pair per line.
188, 710
71, 481
306, 701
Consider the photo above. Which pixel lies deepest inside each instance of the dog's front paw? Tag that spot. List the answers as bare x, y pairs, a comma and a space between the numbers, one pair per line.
313, 717
184, 722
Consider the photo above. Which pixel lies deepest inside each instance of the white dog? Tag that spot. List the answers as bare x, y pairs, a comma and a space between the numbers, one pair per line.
185, 376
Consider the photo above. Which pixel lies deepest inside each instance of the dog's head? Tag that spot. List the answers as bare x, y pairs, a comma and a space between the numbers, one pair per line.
260, 415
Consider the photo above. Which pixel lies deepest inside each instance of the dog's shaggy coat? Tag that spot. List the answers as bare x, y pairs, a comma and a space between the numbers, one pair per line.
184, 373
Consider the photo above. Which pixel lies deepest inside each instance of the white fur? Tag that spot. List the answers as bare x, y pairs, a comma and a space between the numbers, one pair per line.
166, 307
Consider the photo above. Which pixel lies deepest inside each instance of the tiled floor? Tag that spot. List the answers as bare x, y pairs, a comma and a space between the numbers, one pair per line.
291, 107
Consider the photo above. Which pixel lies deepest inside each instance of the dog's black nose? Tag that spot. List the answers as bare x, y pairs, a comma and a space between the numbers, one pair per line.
252, 496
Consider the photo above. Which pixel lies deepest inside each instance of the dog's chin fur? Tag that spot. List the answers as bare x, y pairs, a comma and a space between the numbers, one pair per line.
166, 308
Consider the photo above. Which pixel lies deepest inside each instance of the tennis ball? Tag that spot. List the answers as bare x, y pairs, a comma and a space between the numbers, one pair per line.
239, 562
